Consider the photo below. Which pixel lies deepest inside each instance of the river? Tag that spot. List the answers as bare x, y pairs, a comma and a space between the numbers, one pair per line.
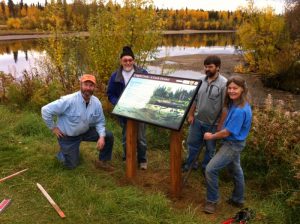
184, 52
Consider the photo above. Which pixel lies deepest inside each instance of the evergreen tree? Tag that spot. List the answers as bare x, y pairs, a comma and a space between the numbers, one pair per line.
11, 7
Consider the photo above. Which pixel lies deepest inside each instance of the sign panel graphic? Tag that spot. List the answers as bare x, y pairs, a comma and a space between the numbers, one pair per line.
159, 100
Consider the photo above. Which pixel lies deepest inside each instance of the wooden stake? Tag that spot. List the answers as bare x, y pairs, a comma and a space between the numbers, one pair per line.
10, 176
54, 205
4, 204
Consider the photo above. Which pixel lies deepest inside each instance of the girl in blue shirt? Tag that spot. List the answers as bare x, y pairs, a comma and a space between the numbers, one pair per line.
234, 133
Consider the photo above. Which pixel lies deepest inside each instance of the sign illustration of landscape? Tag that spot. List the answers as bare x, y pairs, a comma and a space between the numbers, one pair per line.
160, 100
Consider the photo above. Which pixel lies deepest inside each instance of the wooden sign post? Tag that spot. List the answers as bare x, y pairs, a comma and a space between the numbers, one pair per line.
175, 163
175, 156
131, 146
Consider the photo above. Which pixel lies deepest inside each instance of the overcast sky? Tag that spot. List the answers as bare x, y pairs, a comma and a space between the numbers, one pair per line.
278, 5
217, 4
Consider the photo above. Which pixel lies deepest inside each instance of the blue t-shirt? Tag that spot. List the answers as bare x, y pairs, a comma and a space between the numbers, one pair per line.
238, 122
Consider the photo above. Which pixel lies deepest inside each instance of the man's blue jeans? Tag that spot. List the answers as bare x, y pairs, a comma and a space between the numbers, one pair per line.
69, 146
195, 141
228, 156
141, 141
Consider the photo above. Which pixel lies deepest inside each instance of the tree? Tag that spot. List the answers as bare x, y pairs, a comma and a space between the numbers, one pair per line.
11, 7
293, 18
269, 48
263, 36
2, 10
136, 24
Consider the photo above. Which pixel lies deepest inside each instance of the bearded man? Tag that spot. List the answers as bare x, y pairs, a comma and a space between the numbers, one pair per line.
206, 113
79, 118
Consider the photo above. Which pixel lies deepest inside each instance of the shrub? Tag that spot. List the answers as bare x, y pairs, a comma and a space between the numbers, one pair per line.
14, 23
28, 23
273, 148
33, 91
5, 81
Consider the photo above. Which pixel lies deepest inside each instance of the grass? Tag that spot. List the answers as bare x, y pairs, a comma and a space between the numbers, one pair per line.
87, 195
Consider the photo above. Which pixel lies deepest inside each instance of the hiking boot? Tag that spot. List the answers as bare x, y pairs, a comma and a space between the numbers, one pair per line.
234, 203
103, 165
143, 166
210, 207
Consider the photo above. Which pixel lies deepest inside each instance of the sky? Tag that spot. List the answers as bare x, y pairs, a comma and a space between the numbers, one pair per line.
231, 5
217, 4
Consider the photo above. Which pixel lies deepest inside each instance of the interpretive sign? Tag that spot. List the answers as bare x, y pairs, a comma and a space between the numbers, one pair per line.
159, 100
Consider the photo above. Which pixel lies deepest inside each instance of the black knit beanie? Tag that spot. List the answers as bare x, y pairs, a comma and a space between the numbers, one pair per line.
127, 51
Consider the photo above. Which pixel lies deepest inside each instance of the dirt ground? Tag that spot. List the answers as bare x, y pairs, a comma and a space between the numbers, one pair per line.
257, 91
156, 179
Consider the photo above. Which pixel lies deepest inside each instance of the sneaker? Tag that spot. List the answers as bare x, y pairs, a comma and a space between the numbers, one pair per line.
210, 207
234, 203
143, 166
103, 165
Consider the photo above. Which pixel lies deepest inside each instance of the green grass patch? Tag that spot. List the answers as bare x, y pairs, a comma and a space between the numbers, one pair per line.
85, 194
88, 195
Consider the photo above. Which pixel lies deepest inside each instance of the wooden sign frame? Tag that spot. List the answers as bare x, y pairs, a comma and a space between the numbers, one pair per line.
142, 95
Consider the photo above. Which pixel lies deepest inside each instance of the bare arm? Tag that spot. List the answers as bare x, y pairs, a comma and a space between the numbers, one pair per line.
218, 135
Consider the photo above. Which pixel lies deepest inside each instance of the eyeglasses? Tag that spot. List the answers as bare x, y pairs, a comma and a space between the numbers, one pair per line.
127, 60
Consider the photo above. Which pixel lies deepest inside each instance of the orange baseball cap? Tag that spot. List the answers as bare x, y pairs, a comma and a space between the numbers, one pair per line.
88, 77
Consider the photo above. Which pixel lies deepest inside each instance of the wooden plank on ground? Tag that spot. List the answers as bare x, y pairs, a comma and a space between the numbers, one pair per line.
10, 176
4, 204
51, 201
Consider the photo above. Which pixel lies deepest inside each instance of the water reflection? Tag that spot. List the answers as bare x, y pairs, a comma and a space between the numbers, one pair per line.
178, 51
16, 56
18, 61
199, 40
20, 45
187, 44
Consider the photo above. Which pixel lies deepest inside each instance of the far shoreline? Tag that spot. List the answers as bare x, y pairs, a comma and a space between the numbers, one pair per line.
9, 35
196, 31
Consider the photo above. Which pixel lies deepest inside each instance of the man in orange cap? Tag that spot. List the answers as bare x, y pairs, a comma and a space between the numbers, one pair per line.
79, 118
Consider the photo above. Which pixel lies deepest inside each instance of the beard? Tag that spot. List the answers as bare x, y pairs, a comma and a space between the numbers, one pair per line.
210, 74
87, 93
